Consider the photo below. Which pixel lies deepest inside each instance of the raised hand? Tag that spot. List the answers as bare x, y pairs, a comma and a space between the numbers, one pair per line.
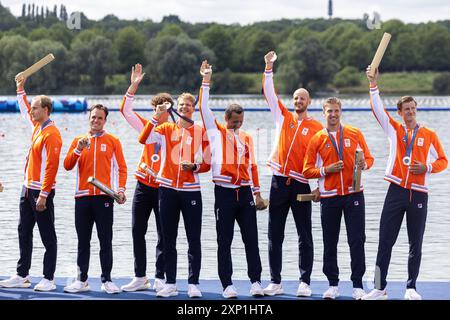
20, 80
135, 78
270, 58
372, 79
206, 71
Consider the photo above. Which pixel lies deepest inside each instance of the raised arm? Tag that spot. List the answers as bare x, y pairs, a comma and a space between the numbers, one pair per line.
24, 106
208, 118
381, 114
277, 109
132, 117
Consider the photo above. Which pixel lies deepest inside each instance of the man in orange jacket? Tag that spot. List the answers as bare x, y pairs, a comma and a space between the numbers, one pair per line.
293, 130
330, 157
184, 154
145, 197
99, 155
235, 175
36, 201
412, 147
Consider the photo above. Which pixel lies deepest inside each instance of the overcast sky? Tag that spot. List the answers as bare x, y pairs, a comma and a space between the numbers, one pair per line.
249, 11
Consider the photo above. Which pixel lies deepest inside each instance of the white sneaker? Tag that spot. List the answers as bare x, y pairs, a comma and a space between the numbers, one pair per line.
158, 284
16, 282
331, 293
77, 286
110, 287
304, 290
194, 291
230, 292
168, 290
375, 294
256, 290
273, 289
411, 294
358, 293
45, 285
137, 284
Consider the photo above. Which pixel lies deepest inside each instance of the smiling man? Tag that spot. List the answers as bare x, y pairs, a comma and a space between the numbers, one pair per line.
235, 175
99, 155
330, 157
411, 146
184, 154
36, 201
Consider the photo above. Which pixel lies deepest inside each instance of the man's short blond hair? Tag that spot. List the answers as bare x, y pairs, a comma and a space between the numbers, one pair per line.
332, 100
186, 96
46, 102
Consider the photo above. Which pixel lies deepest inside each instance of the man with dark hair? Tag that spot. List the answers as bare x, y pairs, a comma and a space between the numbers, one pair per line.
99, 155
145, 197
412, 148
235, 176
36, 201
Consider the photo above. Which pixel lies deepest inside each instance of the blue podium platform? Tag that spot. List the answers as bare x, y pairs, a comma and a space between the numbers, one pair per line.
212, 290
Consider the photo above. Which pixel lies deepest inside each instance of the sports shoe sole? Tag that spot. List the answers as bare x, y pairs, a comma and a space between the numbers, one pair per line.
141, 288
45, 290
172, 294
77, 290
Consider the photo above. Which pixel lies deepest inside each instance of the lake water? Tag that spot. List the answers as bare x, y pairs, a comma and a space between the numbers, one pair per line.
14, 143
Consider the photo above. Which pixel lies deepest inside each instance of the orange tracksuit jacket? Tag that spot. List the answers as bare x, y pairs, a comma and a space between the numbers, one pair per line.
232, 155
151, 153
426, 147
321, 153
104, 161
178, 144
43, 157
292, 136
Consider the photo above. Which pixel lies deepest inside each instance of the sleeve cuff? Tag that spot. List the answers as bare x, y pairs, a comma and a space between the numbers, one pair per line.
373, 89
77, 152
268, 72
20, 92
43, 194
129, 95
197, 168
322, 171
205, 84
429, 168
154, 121
256, 190
121, 190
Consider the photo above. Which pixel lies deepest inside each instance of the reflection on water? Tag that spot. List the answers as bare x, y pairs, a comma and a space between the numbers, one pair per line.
14, 142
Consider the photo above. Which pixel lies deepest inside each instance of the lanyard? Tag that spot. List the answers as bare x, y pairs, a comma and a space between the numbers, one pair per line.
339, 151
409, 146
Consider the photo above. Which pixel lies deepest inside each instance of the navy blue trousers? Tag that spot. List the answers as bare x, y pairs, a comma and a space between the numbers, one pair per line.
46, 224
98, 210
331, 209
144, 201
283, 196
171, 202
398, 201
236, 205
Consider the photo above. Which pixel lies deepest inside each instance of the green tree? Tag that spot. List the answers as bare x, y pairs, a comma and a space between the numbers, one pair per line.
435, 40
356, 54
130, 45
349, 76
307, 63
170, 30
14, 57
219, 40
174, 62
51, 78
406, 52
7, 20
